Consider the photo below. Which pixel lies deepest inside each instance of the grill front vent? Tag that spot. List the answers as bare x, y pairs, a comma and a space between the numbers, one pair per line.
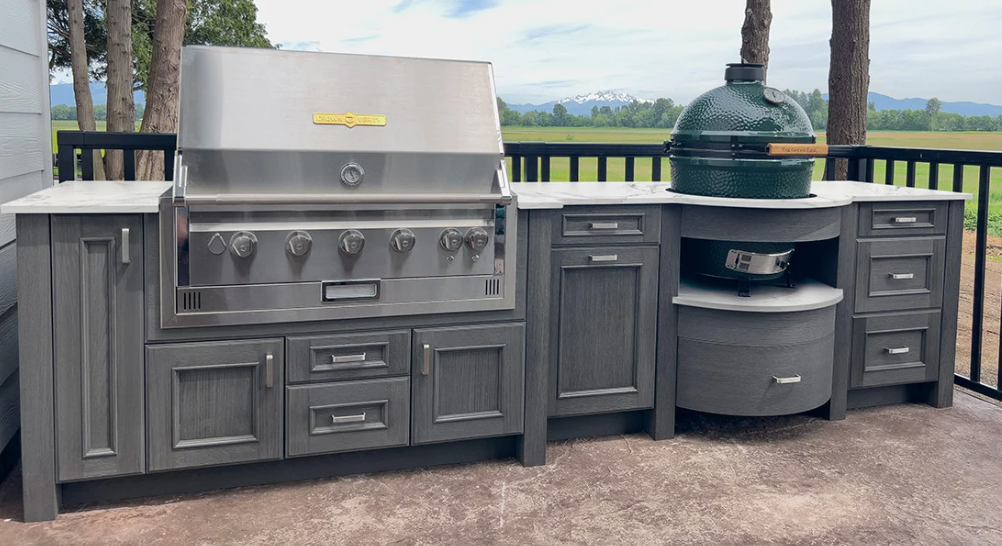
493, 287
191, 301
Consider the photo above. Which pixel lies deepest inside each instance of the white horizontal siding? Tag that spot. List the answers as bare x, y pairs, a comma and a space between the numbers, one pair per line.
20, 25
22, 144
19, 76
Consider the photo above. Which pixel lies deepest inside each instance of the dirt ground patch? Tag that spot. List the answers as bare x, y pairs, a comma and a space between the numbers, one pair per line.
992, 310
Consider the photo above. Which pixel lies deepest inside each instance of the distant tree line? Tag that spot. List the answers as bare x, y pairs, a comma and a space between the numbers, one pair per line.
61, 112
663, 113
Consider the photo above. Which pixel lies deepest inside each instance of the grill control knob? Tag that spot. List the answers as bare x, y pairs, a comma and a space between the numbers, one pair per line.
451, 239
298, 243
243, 244
402, 240
351, 242
477, 239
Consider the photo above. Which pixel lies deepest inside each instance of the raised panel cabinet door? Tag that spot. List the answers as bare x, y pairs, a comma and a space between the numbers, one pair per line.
214, 403
467, 382
603, 329
97, 299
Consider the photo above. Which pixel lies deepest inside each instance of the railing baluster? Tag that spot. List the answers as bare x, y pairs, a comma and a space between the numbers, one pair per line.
516, 168
889, 172
910, 175
87, 164
933, 176
829, 172
545, 175
656, 169
980, 251
66, 161
129, 161
603, 167
168, 164
958, 177
870, 165
531, 168
575, 169
629, 169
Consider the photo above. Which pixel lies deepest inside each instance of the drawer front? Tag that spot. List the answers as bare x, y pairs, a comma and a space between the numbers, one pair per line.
349, 416
900, 274
348, 356
894, 219
599, 225
755, 381
895, 349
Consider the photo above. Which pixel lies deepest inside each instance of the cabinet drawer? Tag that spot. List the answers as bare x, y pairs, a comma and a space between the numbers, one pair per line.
598, 225
894, 349
887, 219
348, 356
900, 274
349, 416
750, 380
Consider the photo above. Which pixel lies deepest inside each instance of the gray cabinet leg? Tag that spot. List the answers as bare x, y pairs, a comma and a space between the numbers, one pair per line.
660, 421
942, 394
38, 464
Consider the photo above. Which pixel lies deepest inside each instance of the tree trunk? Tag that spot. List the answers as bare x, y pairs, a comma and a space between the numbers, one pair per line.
162, 89
81, 78
121, 108
848, 76
755, 32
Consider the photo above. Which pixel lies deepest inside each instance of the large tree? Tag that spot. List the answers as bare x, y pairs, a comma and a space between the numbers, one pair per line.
121, 107
848, 76
755, 32
162, 86
81, 87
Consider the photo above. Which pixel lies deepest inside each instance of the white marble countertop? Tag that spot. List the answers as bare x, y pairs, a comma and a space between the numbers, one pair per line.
555, 195
807, 295
91, 197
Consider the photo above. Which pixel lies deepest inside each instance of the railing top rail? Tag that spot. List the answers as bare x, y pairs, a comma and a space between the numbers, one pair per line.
116, 140
582, 149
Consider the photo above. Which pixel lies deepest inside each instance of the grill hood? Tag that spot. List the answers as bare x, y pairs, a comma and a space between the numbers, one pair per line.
269, 126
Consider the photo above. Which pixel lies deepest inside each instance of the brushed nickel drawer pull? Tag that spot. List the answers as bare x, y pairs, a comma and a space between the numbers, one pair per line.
604, 258
904, 219
125, 246
269, 370
897, 350
604, 225
426, 365
338, 359
901, 276
348, 418
785, 380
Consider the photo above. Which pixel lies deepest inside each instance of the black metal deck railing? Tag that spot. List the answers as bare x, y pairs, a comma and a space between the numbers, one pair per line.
537, 162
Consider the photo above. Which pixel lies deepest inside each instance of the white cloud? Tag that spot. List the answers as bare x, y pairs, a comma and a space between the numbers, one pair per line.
547, 49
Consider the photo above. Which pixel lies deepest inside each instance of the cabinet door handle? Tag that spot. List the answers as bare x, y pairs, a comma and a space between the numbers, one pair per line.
604, 225
269, 370
785, 380
426, 364
896, 350
125, 246
603, 258
337, 359
901, 276
348, 418
904, 219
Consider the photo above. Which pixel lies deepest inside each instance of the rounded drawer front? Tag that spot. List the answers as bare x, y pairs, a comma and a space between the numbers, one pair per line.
754, 380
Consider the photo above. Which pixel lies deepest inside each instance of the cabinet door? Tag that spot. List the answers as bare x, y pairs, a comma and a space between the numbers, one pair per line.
467, 382
214, 403
603, 323
97, 298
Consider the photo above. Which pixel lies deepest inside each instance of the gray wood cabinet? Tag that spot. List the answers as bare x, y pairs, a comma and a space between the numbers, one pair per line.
467, 382
97, 295
214, 403
603, 321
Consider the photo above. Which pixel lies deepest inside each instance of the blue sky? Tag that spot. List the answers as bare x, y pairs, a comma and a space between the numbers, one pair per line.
548, 49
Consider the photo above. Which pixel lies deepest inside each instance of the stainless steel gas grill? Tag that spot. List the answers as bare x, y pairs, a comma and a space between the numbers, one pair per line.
317, 186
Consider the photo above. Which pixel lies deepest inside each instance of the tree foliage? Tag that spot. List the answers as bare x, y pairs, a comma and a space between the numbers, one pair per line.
210, 22
661, 113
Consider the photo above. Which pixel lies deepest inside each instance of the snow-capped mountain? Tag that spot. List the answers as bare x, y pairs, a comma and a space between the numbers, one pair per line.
582, 104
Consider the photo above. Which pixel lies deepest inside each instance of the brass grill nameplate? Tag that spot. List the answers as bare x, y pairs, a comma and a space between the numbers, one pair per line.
349, 119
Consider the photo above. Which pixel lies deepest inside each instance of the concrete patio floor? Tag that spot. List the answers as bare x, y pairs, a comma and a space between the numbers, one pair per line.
896, 475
